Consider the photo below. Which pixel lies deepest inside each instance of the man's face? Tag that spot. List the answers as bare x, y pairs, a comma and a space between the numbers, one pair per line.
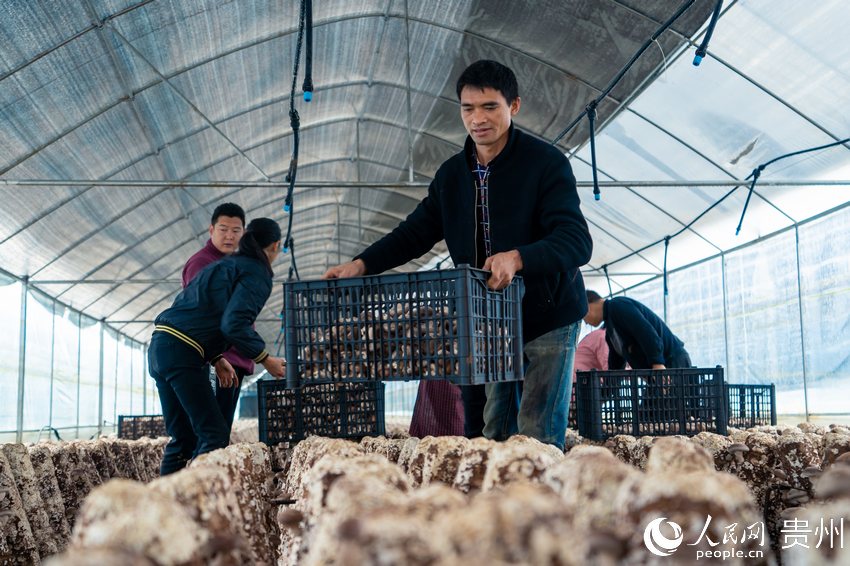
487, 115
594, 313
226, 233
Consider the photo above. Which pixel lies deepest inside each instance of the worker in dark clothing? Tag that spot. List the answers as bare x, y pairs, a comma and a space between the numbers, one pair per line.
226, 228
635, 335
217, 309
506, 203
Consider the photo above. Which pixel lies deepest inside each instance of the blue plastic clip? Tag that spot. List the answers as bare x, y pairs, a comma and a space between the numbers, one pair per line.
697, 60
308, 96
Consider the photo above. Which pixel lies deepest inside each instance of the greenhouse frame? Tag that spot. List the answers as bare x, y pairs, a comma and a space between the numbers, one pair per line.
124, 123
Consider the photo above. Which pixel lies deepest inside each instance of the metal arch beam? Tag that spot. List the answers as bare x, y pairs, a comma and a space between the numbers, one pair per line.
165, 163
192, 133
344, 184
77, 35
396, 185
88, 235
709, 160
124, 251
185, 99
653, 75
344, 120
655, 206
161, 257
333, 203
690, 43
619, 241
167, 297
177, 72
329, 87
111, 289
282, 136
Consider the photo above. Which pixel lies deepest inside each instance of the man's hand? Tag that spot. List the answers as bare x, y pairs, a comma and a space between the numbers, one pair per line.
354, 268
502, 267
275, 366
659, 366
226, 374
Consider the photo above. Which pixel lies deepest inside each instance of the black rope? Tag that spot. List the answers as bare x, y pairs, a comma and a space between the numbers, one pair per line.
627, 66
686, 227
308, 54
757, 173
295, 123
591, 122
703, 47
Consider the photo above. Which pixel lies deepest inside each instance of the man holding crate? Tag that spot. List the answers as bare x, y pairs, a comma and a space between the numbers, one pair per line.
508, 204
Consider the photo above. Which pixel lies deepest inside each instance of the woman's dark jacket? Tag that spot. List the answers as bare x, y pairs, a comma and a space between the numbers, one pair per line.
219, 306
534, 208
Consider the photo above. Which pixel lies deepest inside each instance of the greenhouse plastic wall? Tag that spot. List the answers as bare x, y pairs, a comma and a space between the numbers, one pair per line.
66, 358
753, 311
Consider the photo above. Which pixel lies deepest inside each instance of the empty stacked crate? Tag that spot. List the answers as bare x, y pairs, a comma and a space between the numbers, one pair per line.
683, 401
133, 427
746, 406
751, 405
344, 337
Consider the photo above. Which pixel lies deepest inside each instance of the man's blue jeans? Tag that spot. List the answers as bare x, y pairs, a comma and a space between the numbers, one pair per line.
538, 406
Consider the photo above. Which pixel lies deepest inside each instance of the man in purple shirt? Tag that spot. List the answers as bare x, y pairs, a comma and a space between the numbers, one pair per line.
226, 227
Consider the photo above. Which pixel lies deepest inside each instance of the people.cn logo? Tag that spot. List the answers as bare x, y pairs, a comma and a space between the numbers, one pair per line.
657, 543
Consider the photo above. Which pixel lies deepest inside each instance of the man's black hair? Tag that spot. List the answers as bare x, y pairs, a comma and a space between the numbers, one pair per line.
592, 296
486, 73
228, 209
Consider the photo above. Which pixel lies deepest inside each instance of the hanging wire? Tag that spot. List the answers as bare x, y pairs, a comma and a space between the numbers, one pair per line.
703, 47
591, 122
666, 246
308, 53
295, 123
757, 173
590, 109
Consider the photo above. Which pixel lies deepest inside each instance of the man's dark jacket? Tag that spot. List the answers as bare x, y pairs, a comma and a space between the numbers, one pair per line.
646, 340
534, 208
218, 307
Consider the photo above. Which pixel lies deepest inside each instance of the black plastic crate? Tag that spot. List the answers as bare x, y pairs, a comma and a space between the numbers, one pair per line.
133, 427
571, 415
750, 405
683, 401
335, 410
425, 325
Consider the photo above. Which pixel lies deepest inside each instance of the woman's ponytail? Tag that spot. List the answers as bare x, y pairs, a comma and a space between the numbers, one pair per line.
260, 233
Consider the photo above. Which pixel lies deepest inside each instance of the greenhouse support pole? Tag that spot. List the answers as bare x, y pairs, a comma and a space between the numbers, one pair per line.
145, 381
22, 358
725, 310
79, 367
802, 332
52, 366
100, 384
